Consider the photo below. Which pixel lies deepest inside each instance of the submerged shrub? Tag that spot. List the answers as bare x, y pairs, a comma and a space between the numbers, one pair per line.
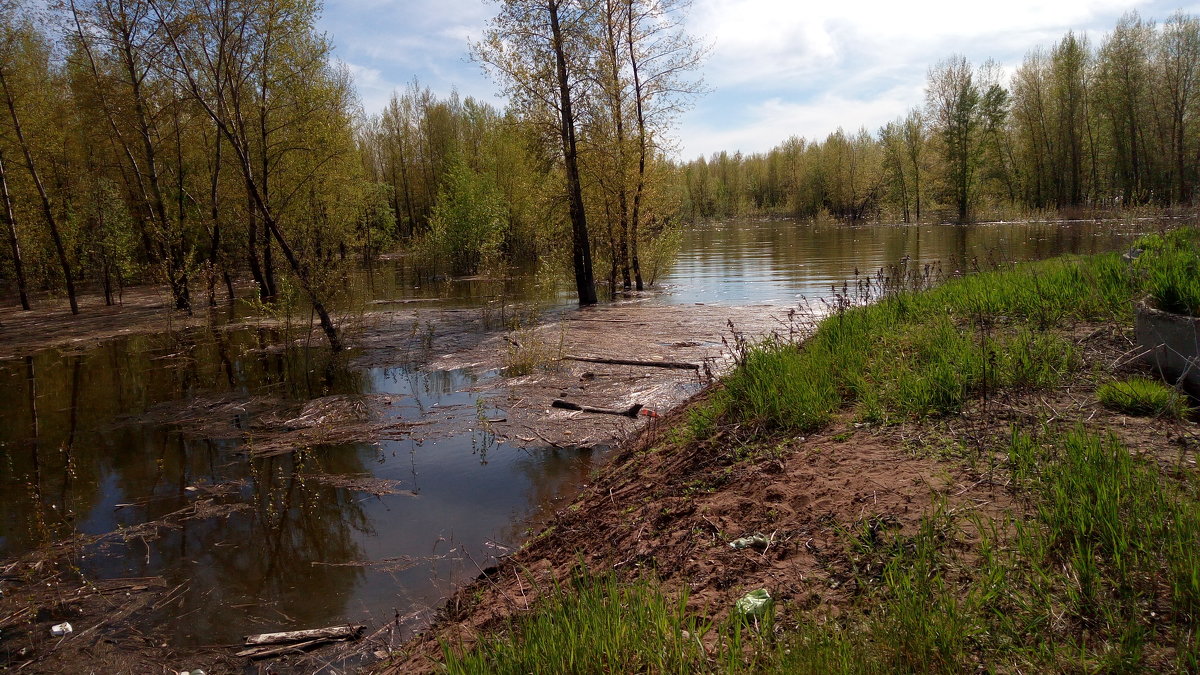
467, 226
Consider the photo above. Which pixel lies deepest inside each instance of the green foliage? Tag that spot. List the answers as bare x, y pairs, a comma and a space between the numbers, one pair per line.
1142, 396
467, 227
1114, 542
376, 220
782, 386
658, 251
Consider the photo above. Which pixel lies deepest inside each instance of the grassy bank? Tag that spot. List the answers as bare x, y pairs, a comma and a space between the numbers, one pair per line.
1084, 557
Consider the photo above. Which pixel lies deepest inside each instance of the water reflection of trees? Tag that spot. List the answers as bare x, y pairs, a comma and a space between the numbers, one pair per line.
549, 474
269, 565
807, 258
73, 447
268, 561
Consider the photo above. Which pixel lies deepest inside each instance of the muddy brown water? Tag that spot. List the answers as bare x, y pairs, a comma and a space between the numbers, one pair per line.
99, 441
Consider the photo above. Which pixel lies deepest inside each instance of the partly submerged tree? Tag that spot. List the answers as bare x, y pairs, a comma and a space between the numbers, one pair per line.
540, 50
28, 88
261, 73
967, 109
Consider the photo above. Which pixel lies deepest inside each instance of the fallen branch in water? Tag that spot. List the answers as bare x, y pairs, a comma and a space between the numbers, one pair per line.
330, 633
631, 411
681, 365
275, 644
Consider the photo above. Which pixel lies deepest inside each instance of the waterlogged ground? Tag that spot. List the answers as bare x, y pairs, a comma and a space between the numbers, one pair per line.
243, 481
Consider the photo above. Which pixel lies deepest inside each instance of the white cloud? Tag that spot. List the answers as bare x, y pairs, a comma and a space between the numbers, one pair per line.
783, 68
768, 123
758, 41
393, 42
372, 88
778, 67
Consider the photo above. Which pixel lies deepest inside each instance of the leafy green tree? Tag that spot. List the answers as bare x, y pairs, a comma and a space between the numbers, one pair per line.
954, 100
29, 87
1122, 92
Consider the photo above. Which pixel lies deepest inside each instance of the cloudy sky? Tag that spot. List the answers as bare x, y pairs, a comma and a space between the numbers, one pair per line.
777, 68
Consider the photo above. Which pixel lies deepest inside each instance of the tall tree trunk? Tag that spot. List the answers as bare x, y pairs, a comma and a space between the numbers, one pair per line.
327, 326
47, 211
585, 284
10, 220
268, 266
252, 244
621, 246
643, 142
176, 275
214, 214
408, 196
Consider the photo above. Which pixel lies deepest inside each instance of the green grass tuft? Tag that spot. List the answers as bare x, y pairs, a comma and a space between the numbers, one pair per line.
597, 625
1143, 397
1169, 268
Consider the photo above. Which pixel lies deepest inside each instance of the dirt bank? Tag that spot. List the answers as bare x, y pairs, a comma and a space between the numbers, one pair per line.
670, 507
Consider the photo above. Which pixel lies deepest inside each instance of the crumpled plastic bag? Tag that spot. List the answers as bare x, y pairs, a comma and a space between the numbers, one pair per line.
755, 604
755, 540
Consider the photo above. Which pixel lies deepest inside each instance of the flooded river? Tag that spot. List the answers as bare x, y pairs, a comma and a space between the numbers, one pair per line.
99, 441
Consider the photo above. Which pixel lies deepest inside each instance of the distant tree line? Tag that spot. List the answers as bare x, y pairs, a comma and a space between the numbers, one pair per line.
1076, 126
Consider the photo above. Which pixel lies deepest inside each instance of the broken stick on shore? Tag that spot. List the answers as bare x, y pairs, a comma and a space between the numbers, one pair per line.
330, 633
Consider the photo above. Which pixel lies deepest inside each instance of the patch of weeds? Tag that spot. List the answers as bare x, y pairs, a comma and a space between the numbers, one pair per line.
749, 451
916, 354
698, 487
1143, 397
702, 418
708, 484
528, 353
597, 624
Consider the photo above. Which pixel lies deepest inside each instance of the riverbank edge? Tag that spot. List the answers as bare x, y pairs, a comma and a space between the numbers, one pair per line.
672, 483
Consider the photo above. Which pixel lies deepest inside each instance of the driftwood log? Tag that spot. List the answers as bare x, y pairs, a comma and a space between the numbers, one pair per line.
681, 365
273, 644
330, 633
631, 411
267, 651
